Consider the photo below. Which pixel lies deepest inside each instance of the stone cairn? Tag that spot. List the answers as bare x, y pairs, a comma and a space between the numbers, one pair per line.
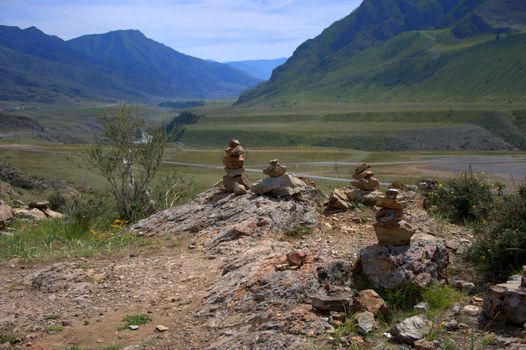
390, 227
275, 169
235, 180
364, 179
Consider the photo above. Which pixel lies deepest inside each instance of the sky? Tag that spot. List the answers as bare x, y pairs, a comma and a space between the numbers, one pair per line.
221, 30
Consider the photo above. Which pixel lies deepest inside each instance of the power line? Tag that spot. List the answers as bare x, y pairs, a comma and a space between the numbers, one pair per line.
66, 15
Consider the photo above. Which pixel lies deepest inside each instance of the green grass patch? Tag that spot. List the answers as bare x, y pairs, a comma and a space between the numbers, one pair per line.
54, 328
8, 338
56, 239
298, 232
135, 320
111, 347
440, 298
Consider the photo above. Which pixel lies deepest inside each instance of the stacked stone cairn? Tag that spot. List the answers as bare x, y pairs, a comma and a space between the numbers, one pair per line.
390, 227
235, 180
364, 179
275, 169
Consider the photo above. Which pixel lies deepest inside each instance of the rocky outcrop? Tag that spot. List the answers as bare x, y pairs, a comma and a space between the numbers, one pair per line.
423, 262
507, 301
63, 276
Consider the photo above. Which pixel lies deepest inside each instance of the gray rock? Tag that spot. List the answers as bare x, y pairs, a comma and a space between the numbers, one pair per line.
216, 210
285, 185
507, 301
6, 213
469, 287
338, 200
423, 262
234, 232
28, 214
339, 301
451, 325
411, 329
471, 310
365, 322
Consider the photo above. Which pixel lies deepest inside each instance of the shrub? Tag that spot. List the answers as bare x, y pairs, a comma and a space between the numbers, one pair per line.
57, 201
500, 244
466, 198
89, 211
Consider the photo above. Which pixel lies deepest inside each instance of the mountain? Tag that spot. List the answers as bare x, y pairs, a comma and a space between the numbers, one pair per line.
122, 64
261, 69
409, 50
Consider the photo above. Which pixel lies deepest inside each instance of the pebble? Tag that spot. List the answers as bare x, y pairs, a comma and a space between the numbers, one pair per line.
133, 327
478, 300
471, 310
161, 328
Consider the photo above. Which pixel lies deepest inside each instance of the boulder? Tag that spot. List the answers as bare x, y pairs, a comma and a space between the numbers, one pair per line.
507, 301
340, 300
423, 262
411, 330
28, 214
338, 200
392, 232
369, 300
365, 322
42, 205
281, 186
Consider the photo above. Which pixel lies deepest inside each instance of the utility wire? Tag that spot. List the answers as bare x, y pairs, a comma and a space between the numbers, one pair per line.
66, 15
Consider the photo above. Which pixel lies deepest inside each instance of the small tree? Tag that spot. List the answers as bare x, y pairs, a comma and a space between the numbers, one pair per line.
128, 157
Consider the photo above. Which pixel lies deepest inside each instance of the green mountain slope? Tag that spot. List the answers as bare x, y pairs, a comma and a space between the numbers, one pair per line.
122, 65
402, 50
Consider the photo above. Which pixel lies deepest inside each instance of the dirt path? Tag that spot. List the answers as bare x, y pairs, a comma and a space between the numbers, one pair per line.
168, 285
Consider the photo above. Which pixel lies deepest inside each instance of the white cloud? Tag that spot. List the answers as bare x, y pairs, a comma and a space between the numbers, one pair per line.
212, 29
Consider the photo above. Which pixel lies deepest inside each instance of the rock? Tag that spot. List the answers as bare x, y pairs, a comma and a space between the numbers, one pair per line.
28, 214
42, 205
64, 276
338, 301
233, 162
423, 262
53, 214
421, 307
394, 214
427, 345
365, 322
471, 310
281, 186
6, 214
391, 193
275, 169
463, 285
390, 203
231, 184
451, 325
161, 328
133, 327
361, 168
523, 277
368, 198
411, 330
296, 258
369, 300
234, 172
400, 186
338, 200
215, 210
234, 232
364, 175
370, 183
507, 301
391, 232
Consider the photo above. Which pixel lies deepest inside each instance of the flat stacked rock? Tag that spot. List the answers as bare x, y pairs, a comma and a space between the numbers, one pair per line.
235, 180
279, 183
275, 169
507, 301
390, 227
364, 178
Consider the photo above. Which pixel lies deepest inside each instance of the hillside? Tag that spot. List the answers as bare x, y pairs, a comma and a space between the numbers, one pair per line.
117, 65
261, 69
400, 50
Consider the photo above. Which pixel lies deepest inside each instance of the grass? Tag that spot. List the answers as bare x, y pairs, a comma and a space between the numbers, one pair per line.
135, 320
111, 347
56, 239
298, 232
8, 338
54, 328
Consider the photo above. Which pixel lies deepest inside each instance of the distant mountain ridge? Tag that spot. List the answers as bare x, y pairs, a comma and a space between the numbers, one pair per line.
403, 50
261, 69
122, 64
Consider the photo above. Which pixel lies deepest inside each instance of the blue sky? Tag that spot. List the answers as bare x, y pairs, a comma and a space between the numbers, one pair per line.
212, 29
